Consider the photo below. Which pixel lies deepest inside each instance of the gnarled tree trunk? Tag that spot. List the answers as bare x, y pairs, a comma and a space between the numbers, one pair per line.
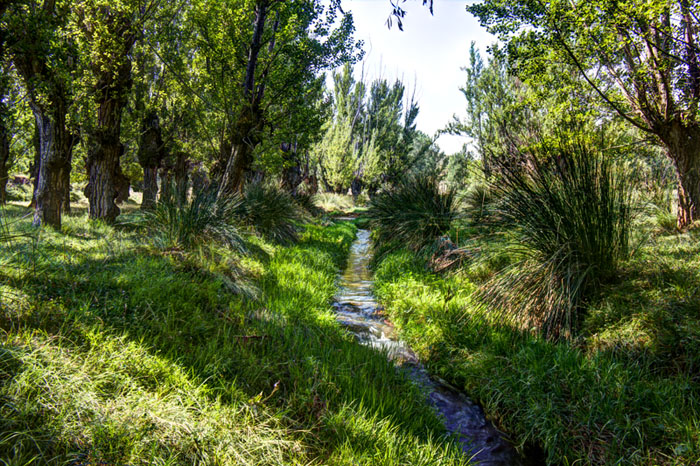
56, 148
246, 134
105, 179
683, 145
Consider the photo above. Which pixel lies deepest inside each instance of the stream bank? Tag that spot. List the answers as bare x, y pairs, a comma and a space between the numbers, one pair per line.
358, 311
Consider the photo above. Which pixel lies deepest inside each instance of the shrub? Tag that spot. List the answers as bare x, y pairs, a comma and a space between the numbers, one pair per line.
196, 221
271, 211
568, 214
414, 214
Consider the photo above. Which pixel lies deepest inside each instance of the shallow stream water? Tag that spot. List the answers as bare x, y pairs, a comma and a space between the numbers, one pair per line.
359, 312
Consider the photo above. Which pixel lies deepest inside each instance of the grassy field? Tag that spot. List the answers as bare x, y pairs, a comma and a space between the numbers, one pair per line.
625, 391
115, 352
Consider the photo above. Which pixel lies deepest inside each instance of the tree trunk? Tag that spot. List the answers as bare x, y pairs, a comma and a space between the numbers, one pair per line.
150, 187
150, 155
245, 136
166, 184
102, 181
683, 144
4, 155
34, 168
244, 139
105, 179
65, 205
56, 145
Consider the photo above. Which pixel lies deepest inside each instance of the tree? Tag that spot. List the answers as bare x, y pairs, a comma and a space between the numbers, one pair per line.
108, 32
641, 58
501, 110
255, 71
150, 156
337, 152
41, 48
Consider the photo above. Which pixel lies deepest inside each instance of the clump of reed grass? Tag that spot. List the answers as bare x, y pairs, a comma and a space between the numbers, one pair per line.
415, 213
271, 211
567, 213
187, 222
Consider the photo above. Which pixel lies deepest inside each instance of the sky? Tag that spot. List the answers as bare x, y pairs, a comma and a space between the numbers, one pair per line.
428, 54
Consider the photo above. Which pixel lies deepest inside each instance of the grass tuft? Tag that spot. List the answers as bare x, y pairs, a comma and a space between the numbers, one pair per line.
567, 214
413, 214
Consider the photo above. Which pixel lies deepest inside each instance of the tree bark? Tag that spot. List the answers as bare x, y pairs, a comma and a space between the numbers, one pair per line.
105, 180
34, 169
56, 146
65, 204
150, 156
683, 145
244, 139
4, 154
181, 176
150, 187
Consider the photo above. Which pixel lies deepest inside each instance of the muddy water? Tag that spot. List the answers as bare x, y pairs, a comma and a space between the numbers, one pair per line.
358, 311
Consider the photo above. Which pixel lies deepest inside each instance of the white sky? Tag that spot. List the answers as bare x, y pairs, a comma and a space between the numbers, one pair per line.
428, 54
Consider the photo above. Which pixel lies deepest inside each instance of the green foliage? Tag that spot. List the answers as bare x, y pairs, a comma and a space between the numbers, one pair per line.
568, 211
202, 218
271, 211
414, 214
370, 139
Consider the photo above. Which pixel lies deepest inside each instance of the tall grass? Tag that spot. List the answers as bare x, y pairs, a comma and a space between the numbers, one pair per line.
567, 214
414, 214
271, 211
119, 356
185, 223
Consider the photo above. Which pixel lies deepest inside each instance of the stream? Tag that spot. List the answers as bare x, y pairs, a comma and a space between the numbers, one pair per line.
359, 312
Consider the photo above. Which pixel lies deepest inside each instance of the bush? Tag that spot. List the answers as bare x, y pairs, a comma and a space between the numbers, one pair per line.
567, 212
414, 214
271, 211
196, 221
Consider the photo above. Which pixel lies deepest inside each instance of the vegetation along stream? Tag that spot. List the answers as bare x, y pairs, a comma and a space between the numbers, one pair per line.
359, 312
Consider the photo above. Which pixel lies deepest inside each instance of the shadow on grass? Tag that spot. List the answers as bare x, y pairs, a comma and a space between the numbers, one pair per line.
298, 362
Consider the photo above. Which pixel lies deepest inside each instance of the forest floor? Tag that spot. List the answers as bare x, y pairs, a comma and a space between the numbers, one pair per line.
625, 391
115, 352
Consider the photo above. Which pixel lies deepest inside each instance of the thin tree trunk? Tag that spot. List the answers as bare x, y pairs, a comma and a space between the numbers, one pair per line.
150, 156
66, 184
181, 176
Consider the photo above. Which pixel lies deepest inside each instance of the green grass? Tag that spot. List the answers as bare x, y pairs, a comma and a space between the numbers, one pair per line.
625, 391
111, 351
339, 204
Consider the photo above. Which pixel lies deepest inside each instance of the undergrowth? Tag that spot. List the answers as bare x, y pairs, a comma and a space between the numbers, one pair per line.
626, 391
115, 352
